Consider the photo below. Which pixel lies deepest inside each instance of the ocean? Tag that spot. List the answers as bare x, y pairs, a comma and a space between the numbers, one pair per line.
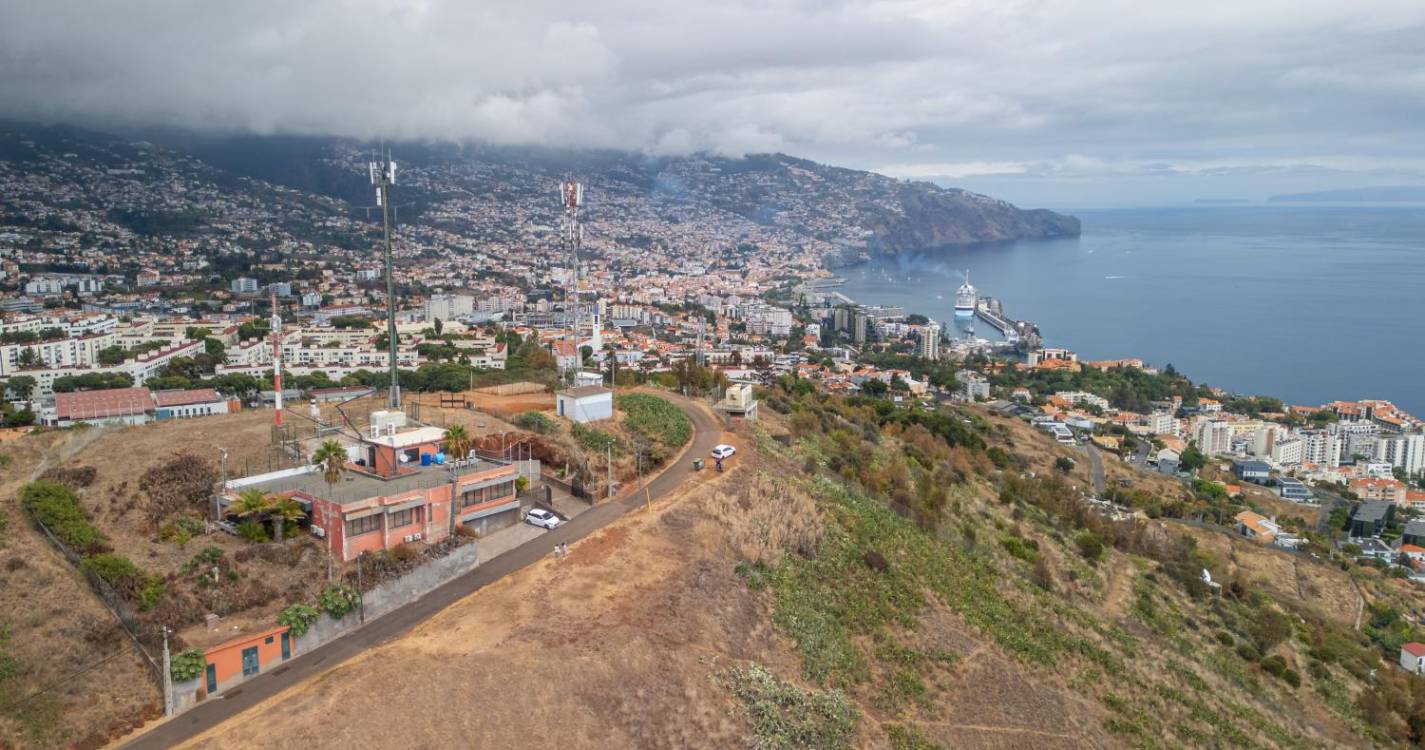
1310, 303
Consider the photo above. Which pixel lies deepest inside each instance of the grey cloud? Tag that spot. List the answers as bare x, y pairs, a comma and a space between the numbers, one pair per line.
911, 83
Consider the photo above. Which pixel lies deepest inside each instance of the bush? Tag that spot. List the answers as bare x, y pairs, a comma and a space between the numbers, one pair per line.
521, 483
298, 618
1090, 546
127, 579
76, 477
58, 509
787, 717
181, 530
208, 556
535, 421
594, 439
339, 599
187, 664
253, 532
1276, 666
655, 418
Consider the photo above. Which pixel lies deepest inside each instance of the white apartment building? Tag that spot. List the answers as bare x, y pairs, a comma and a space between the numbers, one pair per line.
927, 342
1288, 451
1161, 423
1404, 451
1321, 447
766, 320
1081, 397
81, 351
448, 306
243, 285
1213, 437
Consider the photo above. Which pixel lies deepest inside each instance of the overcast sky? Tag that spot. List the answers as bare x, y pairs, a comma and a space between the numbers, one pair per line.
1042, 103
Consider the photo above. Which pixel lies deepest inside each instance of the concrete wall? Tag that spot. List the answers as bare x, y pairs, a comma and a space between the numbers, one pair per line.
394, 594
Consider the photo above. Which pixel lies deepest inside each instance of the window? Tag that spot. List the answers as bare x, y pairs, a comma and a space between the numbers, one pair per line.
268, 641
363, 525
405, 517
486, 494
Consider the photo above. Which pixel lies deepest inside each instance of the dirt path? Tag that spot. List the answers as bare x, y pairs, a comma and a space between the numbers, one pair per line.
68, 450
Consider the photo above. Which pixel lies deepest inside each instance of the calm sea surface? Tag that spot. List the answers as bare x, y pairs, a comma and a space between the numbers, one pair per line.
1309, 303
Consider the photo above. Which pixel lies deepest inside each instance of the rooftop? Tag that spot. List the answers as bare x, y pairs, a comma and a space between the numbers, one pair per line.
584, 391
356, 485
110, 402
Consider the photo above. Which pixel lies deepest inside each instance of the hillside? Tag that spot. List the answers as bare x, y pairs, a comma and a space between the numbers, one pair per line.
874, 578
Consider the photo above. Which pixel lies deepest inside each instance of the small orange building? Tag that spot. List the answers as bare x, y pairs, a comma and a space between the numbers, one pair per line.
245, 656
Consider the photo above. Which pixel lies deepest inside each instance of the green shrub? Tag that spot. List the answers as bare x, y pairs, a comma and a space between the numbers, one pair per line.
116, 570
535, 421
907, 737
298, 618
655, 418
595, 439
521, 483
1090, 546
187, 665
1248, 652
339, 599
128, 579
787, 717
58, 509
182, 529
1225, 638
1024, 549
208, 556
253, 532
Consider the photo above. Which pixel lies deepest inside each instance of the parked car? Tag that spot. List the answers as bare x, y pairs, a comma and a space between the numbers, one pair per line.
723, 451
542, 518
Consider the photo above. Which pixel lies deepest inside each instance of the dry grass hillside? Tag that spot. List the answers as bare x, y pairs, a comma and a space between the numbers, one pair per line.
74, 678
784, 604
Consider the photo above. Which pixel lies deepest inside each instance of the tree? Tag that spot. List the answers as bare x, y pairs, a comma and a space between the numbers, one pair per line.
23, 386
437, 325
1192, 459
1063, 464
28, 359
331, 456
112, 355
874, 387
251, 503
457, 441
281, 511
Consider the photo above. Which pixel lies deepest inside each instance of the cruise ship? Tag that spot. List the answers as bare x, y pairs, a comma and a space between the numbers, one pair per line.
965, 299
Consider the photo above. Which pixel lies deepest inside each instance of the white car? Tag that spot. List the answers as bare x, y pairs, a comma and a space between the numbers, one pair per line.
723, 451
542, 518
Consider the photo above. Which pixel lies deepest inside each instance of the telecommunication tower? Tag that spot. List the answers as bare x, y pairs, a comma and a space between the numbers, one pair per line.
277, 359
383, 176
571, 195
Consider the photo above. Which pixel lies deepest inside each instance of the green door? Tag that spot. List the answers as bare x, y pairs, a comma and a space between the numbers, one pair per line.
212, 679
286, 647
249, 661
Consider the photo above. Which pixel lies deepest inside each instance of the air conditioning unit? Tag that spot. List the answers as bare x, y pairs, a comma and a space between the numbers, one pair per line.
319, 531
416, 536
407, 539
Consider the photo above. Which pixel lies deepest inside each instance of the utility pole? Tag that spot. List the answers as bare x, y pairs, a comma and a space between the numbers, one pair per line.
383, 176
167, 677
217, 510
610, 460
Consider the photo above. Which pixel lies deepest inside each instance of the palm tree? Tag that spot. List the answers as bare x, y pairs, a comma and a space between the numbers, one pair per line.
457, 441
331, 456
249, 503
282, 510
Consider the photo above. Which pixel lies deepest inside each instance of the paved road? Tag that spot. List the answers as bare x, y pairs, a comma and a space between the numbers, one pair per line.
707, 432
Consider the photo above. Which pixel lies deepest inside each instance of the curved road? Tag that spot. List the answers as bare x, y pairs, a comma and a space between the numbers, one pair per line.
707, 432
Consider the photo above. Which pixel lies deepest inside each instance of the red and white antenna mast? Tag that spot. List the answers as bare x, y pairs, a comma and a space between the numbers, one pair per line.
277, 358
571, 195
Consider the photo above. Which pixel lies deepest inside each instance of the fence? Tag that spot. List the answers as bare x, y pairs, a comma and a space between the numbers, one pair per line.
513, 389
111, 599
392, 595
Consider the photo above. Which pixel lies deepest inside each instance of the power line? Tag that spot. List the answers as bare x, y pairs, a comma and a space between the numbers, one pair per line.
66, 679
